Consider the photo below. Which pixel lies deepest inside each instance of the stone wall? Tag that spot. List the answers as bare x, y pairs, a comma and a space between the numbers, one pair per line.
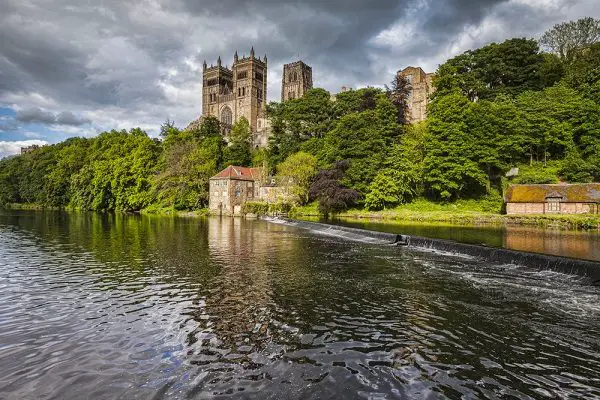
422, 87
541, 208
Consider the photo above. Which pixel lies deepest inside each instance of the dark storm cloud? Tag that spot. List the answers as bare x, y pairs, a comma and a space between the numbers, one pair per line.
136, 63
36, 115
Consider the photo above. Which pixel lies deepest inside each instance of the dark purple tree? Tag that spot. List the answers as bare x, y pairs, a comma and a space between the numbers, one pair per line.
332, 195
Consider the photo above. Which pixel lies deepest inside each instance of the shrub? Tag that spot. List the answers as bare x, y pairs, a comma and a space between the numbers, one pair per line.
255, 207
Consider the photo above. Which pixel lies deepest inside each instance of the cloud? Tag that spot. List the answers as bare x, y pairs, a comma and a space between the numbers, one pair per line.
127, 64
12, 148
37, 115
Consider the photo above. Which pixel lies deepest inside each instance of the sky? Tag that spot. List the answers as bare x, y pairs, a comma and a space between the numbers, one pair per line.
79, 67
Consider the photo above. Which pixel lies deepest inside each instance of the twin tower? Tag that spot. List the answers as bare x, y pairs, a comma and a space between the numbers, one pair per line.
229, 94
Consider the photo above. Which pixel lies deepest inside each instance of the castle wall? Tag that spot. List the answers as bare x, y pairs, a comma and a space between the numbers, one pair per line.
422, 88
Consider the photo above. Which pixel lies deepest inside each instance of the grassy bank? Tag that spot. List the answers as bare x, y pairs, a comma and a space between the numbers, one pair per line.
459, 213
152, 210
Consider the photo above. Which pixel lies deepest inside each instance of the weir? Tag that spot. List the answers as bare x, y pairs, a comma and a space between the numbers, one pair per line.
573, 266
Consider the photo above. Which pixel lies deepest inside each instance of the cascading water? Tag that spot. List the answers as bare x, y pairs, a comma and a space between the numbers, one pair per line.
566, 265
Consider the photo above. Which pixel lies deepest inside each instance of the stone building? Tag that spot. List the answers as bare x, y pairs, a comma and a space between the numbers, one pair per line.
296, 80
229, 94
29, 149
422, 87
233, 186
583, 198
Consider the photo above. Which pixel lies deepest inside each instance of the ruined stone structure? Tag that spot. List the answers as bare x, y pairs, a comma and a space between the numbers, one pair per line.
229, 94
581, 198
29, 149
422, 87
296, 80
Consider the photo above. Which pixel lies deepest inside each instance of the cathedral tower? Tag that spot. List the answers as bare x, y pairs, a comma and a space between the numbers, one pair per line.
229, 94
296, 80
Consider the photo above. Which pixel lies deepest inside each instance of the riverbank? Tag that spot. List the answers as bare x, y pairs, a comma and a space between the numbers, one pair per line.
457, 214
152, 210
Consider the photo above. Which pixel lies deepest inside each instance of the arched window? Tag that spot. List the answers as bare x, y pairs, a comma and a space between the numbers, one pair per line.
295, 76
226, 116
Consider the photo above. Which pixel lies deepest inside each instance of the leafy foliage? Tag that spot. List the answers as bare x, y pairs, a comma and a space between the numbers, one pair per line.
567, 39
328, 189
297, 172
509, 68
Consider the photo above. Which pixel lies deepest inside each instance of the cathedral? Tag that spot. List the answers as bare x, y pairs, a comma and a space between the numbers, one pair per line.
241, 91
229, 94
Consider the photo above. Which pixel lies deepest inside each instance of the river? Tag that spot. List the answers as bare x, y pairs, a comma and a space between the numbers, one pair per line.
581, 244
112, 306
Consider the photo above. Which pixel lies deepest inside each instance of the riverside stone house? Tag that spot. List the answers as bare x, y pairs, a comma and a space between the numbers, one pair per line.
581, 198
233, 186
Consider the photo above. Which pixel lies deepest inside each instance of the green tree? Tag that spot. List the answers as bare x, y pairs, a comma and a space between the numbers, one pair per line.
239, 151
567, 39
450, 170
299, 124
297, 173
510, 68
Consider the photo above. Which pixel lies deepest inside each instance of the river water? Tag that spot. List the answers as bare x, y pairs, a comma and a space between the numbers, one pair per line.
582, 244
105, 307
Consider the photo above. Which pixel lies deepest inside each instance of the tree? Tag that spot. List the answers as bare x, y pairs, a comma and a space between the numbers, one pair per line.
510, 68
360, 138
385, 191
450, 168
332, 195
398, 93
168, 128
297, 172
239, 151
568, 38
299, 124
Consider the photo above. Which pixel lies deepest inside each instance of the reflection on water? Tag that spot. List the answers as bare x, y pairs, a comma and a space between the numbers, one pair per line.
575, 244
104, 306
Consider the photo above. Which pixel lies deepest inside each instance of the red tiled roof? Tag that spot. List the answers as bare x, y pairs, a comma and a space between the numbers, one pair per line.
573, 193
240, 173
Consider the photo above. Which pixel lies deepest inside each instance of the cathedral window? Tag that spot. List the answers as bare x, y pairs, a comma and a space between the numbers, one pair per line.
258, 76
226, 116
295, 76
242, 75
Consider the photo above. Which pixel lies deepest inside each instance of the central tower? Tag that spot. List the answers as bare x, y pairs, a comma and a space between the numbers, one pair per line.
229, 94
296, 80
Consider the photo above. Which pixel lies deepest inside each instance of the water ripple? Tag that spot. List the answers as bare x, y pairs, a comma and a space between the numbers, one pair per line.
129, 307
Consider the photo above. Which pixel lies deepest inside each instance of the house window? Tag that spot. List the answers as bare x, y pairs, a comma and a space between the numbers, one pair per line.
553, 205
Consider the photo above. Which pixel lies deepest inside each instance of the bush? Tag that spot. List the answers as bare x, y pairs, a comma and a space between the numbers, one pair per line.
255, 207
281, 207
538, 173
